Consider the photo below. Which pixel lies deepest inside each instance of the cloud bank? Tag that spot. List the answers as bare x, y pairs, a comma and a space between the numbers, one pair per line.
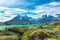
7, 14
52, 8
15, 3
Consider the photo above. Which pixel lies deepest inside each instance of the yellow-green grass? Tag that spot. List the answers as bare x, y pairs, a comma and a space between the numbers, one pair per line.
51, 30
9, 38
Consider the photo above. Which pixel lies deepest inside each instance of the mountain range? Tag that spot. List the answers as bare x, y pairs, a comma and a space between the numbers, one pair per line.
43, 19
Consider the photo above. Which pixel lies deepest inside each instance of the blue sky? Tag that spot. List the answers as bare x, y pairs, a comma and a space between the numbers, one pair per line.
32, 8
25, 4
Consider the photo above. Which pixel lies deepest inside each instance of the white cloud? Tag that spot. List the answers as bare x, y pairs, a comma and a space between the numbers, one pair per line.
4, 18
7, 2
54, 3
12, 9
33, 16
48, 9
15, 3
7, 14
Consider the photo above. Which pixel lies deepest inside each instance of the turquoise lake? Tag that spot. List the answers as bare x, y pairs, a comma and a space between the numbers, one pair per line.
19, 25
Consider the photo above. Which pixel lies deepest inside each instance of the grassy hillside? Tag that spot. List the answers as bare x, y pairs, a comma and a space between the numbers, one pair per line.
41, 32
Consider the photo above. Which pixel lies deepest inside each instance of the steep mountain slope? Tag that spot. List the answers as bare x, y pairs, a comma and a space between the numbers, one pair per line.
43, 19
19, 18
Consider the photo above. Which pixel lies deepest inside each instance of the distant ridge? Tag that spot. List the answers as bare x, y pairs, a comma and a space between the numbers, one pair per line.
44, 19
